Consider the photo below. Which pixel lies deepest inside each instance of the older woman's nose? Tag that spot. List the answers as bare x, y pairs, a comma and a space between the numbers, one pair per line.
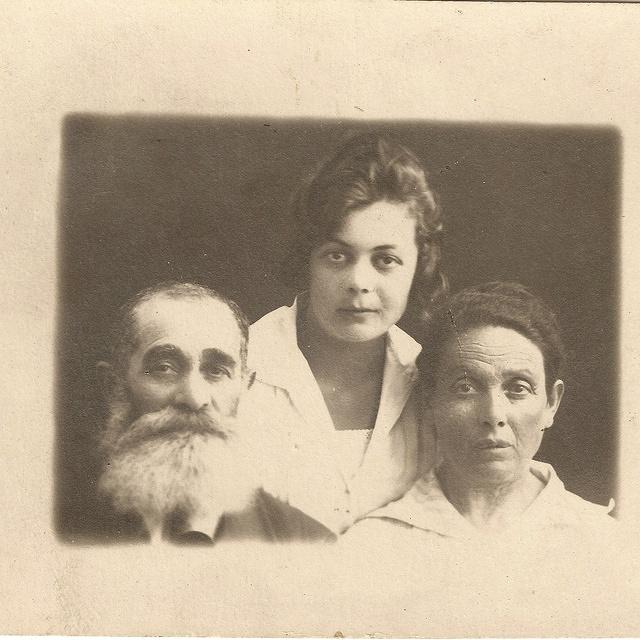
494, 409
361, 277
193, 392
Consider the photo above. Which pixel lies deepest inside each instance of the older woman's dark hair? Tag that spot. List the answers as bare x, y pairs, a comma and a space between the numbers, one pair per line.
496, 304
366, 170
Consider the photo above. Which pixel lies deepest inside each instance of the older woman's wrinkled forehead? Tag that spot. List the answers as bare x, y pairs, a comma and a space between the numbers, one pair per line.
496, 304
490, 351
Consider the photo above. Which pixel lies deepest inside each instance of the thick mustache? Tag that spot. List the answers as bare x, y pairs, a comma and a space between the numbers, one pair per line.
171, 421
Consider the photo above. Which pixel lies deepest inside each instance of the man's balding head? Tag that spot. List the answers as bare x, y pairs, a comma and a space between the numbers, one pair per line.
125, 333
178, 372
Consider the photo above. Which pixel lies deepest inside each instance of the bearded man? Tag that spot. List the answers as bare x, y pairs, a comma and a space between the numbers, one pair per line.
174, 450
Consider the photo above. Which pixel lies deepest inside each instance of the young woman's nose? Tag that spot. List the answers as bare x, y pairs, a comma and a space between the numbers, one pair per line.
194, 392
494, 409
361, 276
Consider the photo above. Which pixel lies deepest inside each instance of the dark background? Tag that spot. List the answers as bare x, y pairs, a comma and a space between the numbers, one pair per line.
145, 199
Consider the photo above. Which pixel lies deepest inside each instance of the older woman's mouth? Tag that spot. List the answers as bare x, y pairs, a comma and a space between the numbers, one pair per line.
490, 444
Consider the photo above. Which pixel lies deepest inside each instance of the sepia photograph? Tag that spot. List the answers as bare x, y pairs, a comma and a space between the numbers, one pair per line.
320, 320
266, 215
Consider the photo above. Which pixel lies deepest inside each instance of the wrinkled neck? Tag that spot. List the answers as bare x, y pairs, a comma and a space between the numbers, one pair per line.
489, 504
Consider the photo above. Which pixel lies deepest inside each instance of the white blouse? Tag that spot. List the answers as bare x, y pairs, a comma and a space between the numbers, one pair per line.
333, 476
424, 514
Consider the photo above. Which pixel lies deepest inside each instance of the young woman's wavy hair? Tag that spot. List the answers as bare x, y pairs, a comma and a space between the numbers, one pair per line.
367, 169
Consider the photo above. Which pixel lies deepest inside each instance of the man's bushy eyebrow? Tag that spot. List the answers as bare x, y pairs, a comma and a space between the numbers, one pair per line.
217, 356
164, 350
209, 356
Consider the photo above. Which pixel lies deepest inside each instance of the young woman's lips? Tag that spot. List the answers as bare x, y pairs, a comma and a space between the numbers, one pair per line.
358, 310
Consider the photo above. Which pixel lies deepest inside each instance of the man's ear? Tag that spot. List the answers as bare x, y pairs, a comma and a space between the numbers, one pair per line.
106, 378
554, 398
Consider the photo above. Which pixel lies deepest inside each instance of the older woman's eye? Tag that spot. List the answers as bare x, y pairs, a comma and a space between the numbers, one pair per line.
463, 387
519, 389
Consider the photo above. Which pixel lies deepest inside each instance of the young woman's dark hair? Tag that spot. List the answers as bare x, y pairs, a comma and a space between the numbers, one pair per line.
497, 304
365, 170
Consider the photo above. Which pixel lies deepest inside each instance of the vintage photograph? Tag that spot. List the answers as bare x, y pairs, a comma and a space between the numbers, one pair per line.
350, 247
320, 319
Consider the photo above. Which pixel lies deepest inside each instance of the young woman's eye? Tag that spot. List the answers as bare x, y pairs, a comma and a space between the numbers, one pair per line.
387, 261
336, 256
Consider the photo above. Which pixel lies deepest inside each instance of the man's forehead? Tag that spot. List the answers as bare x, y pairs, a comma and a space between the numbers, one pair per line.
189, 323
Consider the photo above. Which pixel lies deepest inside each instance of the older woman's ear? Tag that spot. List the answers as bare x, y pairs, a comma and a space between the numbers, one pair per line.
554, 399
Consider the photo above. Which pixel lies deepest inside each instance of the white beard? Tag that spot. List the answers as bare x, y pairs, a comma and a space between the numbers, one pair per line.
171, 461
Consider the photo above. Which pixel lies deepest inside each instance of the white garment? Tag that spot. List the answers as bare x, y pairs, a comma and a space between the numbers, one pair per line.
308, 460
424, 514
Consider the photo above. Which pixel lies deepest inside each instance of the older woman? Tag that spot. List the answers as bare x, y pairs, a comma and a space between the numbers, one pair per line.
333, 371
491, 364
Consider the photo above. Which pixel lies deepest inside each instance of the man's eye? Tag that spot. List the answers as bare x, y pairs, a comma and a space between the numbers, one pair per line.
216, 373
161, 369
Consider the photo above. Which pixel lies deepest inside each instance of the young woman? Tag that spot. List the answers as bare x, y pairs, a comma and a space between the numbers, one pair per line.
334, 374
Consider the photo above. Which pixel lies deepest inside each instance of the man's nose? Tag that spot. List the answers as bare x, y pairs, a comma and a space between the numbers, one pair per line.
193, 393
361, 276
494, 409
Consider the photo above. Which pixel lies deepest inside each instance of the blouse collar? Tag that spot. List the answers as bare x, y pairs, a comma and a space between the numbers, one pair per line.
281, 332
279, 362
426, 507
